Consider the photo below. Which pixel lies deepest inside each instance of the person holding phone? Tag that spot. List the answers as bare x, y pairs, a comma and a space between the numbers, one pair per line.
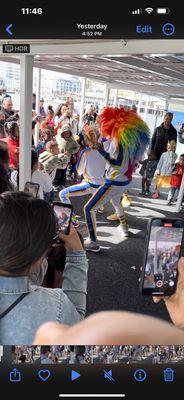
27, 230
123, 327
41, 182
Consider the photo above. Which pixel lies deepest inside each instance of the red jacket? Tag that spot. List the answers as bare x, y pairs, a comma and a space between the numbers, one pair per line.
13, 150
176, 177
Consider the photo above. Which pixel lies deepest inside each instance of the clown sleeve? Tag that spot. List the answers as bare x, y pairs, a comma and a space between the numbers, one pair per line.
114, 161
81, 164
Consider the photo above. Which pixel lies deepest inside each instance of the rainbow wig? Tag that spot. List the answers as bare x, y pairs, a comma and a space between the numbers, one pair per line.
125, 127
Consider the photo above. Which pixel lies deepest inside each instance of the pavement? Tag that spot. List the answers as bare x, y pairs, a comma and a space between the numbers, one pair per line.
112, 282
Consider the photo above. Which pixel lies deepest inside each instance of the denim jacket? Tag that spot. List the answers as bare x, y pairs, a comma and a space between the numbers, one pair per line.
66, 305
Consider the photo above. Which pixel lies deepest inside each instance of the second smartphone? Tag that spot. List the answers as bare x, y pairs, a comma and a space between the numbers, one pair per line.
163, 250
63, 213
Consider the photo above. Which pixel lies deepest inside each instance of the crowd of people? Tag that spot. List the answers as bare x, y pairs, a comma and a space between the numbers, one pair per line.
97, 158
163, 166
25, 354
98, 354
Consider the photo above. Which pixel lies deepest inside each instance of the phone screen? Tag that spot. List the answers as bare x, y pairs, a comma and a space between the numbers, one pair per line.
63, 216
161, 266
32, 188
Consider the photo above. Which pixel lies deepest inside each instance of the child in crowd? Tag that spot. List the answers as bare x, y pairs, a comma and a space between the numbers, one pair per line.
165, 168
48, 122
68, 145
52, 160
176, 179
147, 172
46, 136
66, 142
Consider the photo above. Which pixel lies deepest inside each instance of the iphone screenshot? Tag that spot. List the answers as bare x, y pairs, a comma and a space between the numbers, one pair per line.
91, 200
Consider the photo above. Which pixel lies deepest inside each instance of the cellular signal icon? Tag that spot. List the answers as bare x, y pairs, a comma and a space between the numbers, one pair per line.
138, 11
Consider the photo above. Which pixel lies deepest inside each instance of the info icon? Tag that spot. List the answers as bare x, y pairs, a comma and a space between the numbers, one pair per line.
140, 375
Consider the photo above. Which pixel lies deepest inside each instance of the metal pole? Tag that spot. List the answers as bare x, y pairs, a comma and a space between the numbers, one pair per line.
26, 87
166, 105
38, 91
107, 93
115, 97
146, 108
139, 103
82, 100
156, 117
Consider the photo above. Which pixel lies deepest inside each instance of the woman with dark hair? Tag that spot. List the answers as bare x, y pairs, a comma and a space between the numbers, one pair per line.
60, 110
5, 184
27, 230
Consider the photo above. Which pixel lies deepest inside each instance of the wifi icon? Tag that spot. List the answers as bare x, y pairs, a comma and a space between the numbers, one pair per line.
149, 10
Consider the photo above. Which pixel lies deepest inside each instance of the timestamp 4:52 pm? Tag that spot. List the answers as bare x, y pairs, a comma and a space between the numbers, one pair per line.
92, 33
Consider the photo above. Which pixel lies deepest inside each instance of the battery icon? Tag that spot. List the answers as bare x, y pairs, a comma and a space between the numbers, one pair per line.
163, 11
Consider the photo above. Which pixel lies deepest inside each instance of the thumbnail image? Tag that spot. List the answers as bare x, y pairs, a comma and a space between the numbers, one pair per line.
111, 354
1, 353
147, 354
25, 354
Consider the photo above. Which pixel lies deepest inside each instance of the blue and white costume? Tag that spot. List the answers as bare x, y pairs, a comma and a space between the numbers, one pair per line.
91, 166
116, 179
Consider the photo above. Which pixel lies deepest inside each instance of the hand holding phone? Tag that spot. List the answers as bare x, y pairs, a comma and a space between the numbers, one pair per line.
72, 241
159, 275
175, 303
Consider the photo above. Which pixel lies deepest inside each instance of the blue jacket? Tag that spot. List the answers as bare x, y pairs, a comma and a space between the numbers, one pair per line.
66, 305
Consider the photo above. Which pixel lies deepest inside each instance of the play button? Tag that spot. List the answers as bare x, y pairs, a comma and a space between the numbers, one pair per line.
75, 375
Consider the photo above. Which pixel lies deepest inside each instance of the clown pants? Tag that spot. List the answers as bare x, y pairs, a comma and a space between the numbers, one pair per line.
82, 189
101, 197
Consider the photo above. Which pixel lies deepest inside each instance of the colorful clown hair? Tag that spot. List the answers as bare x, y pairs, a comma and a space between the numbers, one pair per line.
125, 127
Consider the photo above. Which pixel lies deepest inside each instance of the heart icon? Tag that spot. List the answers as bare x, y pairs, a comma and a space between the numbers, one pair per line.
44, 374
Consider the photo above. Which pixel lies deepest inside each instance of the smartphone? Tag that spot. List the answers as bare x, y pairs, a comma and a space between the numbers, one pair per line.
32, 188
163, 250
63, 213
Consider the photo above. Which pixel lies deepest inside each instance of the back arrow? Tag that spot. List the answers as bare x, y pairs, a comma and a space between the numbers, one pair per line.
8, 29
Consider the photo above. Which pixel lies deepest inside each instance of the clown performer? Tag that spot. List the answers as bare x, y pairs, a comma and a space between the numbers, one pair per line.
91, 165
129, 139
